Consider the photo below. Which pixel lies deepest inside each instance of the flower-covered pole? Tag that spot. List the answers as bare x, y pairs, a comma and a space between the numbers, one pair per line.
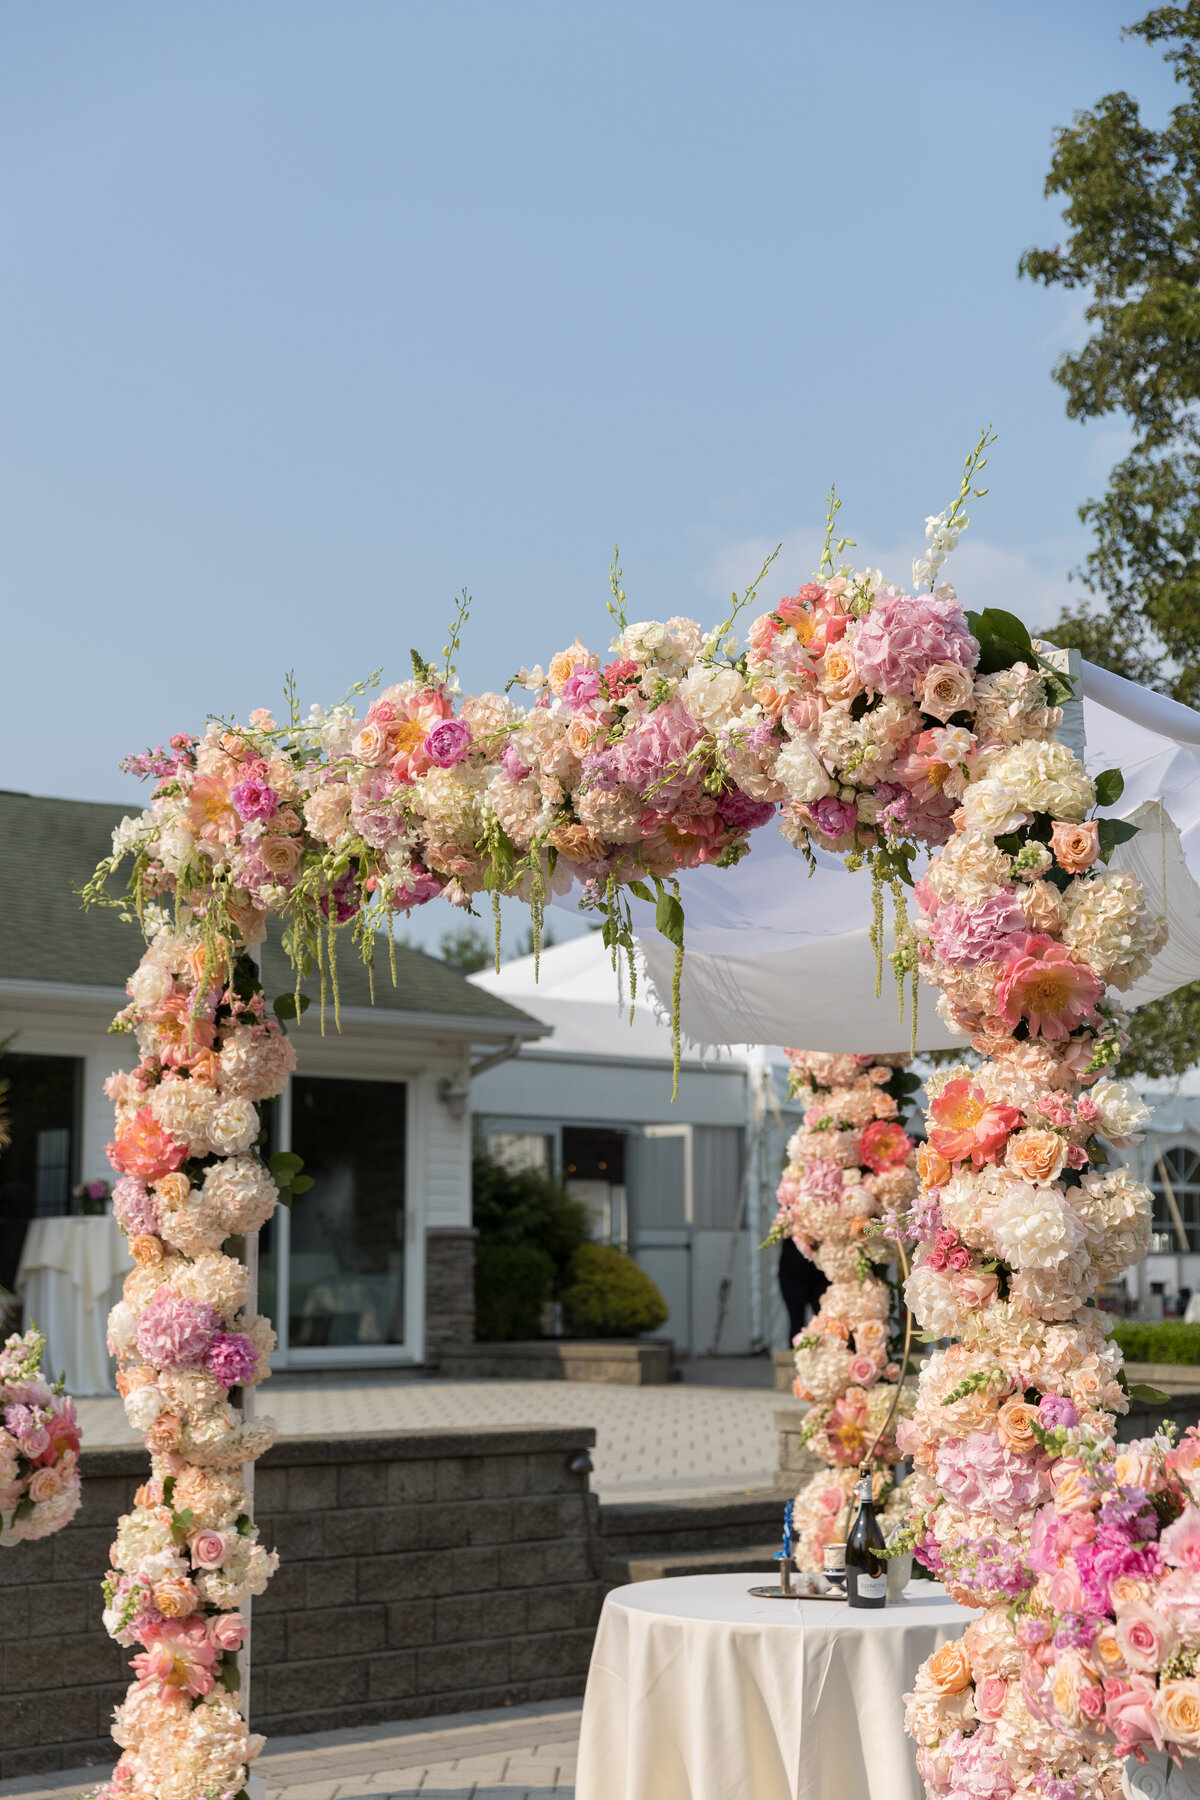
849, 1163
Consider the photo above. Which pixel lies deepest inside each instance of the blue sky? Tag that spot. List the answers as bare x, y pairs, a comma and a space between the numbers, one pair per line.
316, 313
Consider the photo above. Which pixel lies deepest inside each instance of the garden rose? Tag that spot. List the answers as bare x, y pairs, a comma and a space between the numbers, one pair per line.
1179, 1713
1145, 1638
945, 688
948, 1670
1075, 847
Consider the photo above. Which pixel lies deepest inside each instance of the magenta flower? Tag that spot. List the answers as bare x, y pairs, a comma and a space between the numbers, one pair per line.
834, 818
448, 742
581, 688
231, 1358
254, 799
174, 1333
741, 813
512, 765
1055, 1410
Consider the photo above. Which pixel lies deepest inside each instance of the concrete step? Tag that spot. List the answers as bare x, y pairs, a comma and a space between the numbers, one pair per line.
676, 1527
755, 1561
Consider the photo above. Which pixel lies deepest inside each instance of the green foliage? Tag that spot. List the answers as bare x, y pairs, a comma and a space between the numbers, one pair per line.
527, 1208
1164, 1037
1131, 205
610, 1296
465, 947
512, 1286
1161, 1341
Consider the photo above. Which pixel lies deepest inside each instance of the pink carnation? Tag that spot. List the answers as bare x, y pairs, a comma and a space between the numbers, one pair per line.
904, 635
231, 1358
174, 1333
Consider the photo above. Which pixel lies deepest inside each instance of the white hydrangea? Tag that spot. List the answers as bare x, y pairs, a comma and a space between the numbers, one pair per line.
1108, 925
1046, 778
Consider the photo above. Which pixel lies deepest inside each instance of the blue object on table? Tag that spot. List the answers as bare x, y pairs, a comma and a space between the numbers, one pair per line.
787, 1531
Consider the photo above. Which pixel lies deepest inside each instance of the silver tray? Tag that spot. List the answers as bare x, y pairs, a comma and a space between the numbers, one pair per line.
777, 1593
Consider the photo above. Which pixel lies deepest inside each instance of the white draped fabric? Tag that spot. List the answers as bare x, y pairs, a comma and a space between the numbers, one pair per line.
70, 1275
698, 1691
776, 957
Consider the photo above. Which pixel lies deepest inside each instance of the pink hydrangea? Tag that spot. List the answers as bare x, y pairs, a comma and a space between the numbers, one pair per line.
174, 1333
904, 635
969, 935
651, 759
978, 1767
231, 1358
977, 1474
133, 1206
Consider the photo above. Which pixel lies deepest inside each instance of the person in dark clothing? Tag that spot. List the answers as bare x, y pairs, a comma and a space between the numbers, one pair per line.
801, 1283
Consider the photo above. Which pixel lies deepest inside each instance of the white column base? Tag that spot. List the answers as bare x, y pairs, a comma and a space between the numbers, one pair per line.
1159, 1779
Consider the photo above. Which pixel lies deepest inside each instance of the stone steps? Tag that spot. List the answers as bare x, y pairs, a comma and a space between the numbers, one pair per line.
757, 1561
642, 1540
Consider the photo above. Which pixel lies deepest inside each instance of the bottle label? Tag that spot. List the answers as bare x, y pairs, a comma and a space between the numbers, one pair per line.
871, 1587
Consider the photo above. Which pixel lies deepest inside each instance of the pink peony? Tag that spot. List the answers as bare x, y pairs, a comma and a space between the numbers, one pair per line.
1043, 985
145, 1149
174, 1333
178, 1661
904, 635
254, 799
883, 1144
448, 743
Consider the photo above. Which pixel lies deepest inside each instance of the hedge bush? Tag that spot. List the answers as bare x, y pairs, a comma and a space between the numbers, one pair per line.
525, 1207
512, 1285
609, 1296
1158, 1341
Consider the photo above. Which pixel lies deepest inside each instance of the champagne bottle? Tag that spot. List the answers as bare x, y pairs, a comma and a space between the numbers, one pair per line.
866, 1566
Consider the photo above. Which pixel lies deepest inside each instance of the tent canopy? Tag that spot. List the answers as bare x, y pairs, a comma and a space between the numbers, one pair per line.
776, 956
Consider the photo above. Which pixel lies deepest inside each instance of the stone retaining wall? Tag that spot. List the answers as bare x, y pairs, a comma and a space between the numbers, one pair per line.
420, 1574
643, 1362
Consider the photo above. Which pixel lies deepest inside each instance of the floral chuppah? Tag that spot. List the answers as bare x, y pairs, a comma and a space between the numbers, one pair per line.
850, 1162
870, 721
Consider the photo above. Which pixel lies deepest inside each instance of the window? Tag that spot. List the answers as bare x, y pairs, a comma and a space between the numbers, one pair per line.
1183, 1172
520, 1150
39, 1168
593, 1170
346, 1260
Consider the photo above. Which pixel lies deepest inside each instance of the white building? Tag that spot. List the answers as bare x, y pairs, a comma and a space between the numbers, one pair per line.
686, 1187
373, 1265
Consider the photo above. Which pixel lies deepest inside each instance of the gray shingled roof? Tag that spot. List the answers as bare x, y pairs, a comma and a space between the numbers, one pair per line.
48, 850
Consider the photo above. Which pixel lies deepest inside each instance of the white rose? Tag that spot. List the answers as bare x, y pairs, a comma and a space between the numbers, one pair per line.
122, 1328
143, 1406
149, 986
642, 640
1122, 1112
1034, 1227
932, 1301
233, 1127
991, 807
712, 696
801, 771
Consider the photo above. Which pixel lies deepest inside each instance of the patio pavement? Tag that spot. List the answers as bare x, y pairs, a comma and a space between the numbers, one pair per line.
513, 1753
688, 1438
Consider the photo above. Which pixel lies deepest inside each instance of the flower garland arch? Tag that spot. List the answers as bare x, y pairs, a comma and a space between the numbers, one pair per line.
849, 1163
867, 720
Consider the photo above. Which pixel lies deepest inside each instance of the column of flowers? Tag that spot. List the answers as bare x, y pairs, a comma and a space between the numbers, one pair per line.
851, 1161
39, 1445
1024, 1508
191, 1184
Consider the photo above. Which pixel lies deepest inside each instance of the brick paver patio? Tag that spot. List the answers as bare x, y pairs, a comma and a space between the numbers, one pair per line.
515, 1753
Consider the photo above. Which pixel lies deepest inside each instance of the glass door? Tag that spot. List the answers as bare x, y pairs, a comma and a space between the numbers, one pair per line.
336, 1268
660, 1220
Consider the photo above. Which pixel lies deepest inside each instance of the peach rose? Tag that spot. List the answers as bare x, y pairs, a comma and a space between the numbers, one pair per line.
946, 688
1068, 1479
870, 1334
44, 1484
163, 1434
1036, 1155
839, 678
1042, 907
1133, 1468
581, 734
1106, 1652
948, 1670
176, 1597
1145, 1637
145, 1249
1179, 1713
371, 745
173, 1190
281, 855
1075, 847
803, 712
1014, 1426
577, 843
976, 1287
565, 662
1127, 1590
932, 1167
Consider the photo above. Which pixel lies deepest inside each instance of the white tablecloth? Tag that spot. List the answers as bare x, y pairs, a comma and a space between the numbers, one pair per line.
70, 1274
697, 1691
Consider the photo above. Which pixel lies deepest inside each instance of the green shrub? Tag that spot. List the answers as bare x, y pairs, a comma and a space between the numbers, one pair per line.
526, 1207
512, 1285
1158, 1341
609, 1296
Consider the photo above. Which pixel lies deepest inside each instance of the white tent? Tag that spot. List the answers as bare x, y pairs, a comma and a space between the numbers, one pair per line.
774, 956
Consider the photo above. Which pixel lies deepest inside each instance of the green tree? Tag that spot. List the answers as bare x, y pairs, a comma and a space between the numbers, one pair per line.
1131, 205
465, 947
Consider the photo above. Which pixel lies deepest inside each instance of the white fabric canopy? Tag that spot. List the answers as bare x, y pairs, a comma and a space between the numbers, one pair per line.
699, 1691
776, 957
